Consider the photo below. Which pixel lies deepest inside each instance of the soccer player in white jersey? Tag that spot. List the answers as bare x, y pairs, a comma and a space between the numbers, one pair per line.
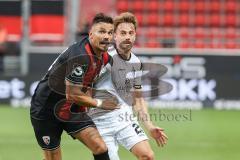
122, 80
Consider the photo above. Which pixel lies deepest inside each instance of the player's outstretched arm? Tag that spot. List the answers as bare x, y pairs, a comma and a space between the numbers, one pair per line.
140, 107
75, 95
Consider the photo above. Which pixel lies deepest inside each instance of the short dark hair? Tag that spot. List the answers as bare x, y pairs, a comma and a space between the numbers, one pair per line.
100, 17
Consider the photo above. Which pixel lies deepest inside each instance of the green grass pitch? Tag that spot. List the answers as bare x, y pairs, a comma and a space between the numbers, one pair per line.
208, 135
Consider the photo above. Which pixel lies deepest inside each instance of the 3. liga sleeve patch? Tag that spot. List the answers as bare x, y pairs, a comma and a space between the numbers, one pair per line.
77, 72
76, 75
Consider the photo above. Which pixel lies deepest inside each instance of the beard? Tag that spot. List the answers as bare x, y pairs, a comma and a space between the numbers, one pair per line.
126, 46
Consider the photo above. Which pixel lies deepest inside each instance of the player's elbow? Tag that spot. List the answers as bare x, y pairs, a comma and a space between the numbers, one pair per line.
68, 97
71, 98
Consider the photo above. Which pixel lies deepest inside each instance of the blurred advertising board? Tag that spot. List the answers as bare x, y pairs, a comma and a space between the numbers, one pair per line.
198, 81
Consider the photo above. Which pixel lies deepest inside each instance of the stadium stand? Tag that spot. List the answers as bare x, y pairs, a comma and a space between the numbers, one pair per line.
162, 23
189, 23
46, 21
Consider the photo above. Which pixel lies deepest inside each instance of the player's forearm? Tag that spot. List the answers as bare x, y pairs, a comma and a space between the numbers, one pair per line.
141, 110
84, 100
74, 94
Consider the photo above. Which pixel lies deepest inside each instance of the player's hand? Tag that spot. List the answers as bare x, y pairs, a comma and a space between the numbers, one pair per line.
110, 104
159, 136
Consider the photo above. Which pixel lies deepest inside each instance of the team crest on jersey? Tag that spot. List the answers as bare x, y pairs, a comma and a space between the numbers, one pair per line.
46, 140
128, 85
77, 72
127, 81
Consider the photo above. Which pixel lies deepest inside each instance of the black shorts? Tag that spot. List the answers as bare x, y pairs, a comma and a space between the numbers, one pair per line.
48, 132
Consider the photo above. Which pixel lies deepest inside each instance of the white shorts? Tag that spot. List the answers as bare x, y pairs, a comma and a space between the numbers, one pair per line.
114, 131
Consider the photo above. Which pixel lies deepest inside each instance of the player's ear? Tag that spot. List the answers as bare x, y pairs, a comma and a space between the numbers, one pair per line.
90, 34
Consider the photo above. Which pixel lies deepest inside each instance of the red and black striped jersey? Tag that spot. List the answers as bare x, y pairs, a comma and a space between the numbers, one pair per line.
78, 65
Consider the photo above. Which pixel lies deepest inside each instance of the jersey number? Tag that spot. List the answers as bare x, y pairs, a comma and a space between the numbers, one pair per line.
137, 128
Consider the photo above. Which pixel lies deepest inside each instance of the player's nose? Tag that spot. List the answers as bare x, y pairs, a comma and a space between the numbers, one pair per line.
107, 37
127, 37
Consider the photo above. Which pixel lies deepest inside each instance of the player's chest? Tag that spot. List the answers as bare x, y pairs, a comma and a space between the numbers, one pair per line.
123, 76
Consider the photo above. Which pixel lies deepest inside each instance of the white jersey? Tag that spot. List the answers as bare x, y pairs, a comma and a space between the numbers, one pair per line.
117, 80
118, 126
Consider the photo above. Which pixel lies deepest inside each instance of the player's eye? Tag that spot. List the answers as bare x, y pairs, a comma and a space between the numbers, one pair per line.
102, 31
123, 33
131, 32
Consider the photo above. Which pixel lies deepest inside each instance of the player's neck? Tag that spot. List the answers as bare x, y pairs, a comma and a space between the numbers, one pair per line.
98, 53
125, 55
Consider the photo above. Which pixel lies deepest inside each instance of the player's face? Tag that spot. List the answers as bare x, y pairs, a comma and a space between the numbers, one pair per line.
101, 34
125, 36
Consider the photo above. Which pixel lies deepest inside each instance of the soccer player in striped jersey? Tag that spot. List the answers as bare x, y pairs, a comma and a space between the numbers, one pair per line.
69, 80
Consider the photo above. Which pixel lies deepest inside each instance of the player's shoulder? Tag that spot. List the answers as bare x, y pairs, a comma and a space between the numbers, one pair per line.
78, 50
135, 61
134, 58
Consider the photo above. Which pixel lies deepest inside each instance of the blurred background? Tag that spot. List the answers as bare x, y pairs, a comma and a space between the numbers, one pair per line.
197, 40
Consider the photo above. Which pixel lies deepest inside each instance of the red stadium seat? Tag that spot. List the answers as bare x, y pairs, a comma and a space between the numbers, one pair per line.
140, 37
184, 44
199, 44
152, 19
168, 19
13, 26
199, 33
122, 5
231, 34
152, 33
215, 20
184, 33
138, 5
231, 6
167, 33
216, 44
231, 20
152, 43
238, 34
184, 5
53, 30
200, 6
153, 5
140, 31
215, 33
168, 5
231, 44
200, 20
183, 19
215, 6
139, 17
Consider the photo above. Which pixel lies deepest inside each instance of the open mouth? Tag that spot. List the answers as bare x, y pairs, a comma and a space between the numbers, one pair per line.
105, 42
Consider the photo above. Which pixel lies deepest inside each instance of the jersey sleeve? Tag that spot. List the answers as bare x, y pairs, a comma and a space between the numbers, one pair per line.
138, 76
76, 66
